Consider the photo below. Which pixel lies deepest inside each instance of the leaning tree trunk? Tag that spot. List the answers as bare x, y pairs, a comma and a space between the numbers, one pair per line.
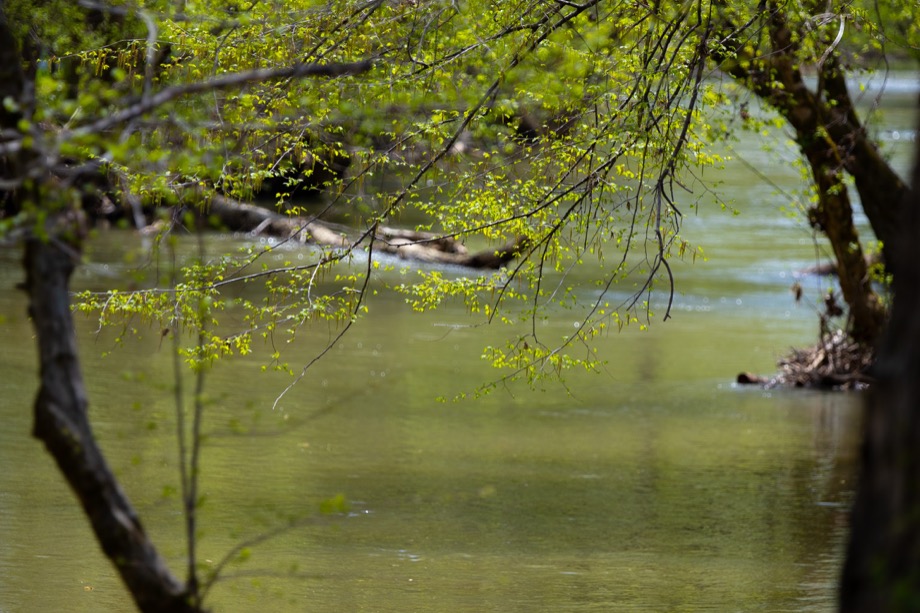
62, 424
881, 191
60, 419
832, 140
833, 215
882, 569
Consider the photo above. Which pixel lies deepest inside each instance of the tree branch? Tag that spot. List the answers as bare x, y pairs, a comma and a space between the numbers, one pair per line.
228, 81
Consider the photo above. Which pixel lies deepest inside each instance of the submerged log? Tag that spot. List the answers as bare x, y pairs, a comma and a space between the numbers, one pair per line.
407, 244
749, 378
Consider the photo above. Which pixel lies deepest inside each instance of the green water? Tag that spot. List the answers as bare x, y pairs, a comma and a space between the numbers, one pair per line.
655, 486
658, 486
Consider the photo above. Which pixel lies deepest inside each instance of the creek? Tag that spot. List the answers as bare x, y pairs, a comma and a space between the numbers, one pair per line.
656, 485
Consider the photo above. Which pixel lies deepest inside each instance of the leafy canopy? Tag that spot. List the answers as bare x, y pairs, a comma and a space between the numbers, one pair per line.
576, 130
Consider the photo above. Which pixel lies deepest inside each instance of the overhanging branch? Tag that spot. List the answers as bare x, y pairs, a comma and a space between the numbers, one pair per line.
227, 81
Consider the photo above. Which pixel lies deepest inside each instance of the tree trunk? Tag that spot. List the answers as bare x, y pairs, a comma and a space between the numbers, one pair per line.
61, 423
882, 569
60, 412
833, 215
881, 190
832, 140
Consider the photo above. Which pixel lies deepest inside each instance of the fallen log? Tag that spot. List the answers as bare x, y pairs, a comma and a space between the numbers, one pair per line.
241, 217
406, 244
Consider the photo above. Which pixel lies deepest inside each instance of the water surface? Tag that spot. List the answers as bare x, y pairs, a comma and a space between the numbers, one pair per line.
656, 485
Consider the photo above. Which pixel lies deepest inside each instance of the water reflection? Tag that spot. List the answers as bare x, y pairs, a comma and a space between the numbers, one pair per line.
657, 488
654, 486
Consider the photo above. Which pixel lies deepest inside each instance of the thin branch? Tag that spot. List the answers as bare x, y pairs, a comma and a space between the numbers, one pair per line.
362, 293
227, 81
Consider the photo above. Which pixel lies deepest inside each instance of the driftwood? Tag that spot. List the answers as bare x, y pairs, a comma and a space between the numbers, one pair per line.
836, 362
407, 244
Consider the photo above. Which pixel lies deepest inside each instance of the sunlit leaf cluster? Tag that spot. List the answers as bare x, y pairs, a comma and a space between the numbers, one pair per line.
577, 129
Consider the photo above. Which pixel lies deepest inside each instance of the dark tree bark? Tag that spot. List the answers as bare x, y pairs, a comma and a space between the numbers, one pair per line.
882, 570
12, 87
60, 412
833, 215
833, 141
62, 424
881, 191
